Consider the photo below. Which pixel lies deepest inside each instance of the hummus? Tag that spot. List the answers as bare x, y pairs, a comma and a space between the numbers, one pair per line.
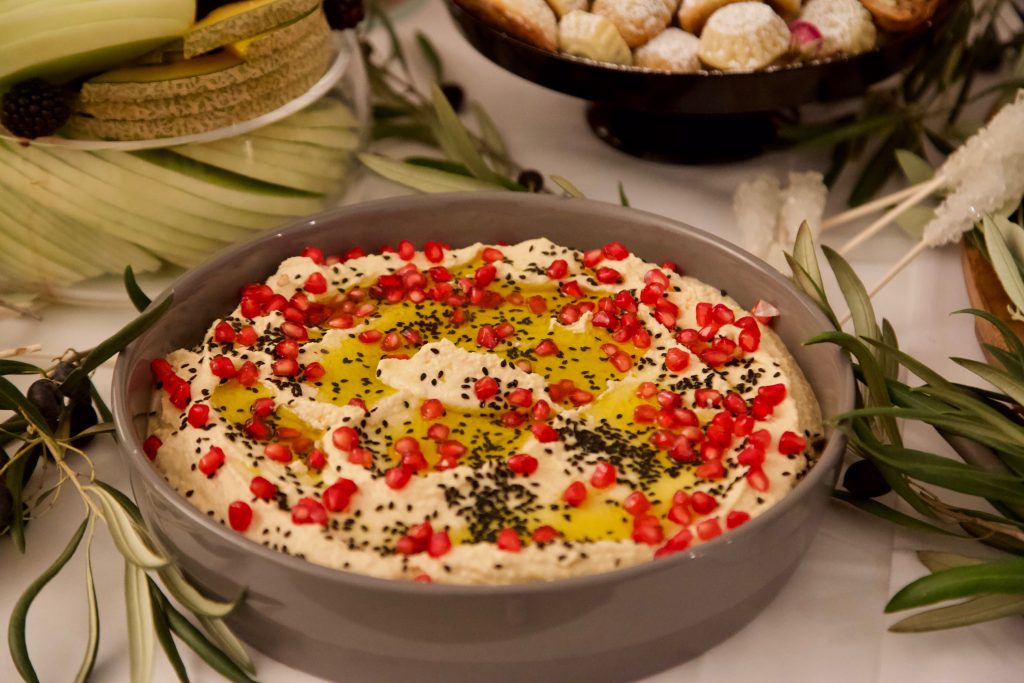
484, 415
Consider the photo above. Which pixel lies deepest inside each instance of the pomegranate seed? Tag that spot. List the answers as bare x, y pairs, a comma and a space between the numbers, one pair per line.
439, 544
484, 276
522, 463
725, 345
223, 333
397, 477
371, 336
485, 388
682, 451
313, 372
287, 348
262, 488
608, 276
680, 541
676, 359
773, 394
547, 347
621, 361
294, 331
647, 390
704, 311
406, 546
679, 514
211, 462
791, 443
239, 515
749, 340
354, 252
736, 518
603, 476
558, 269
338, 495
180, 393
285, 367
520, 397
262, 407
636, 503
665, 318
257, 429
434, 252
575, 494
644, 414
662, 439
649, 533
451, 449
580, 397
431, 409
438, 431
670, 399
486, 337
199, 413
249, 308
702, 503
708, 529
569, 314
680, 497
544, 534
309, 511
504, 330
314, 254
221, 366
723, 315
151, 446
751, 456
345, 438
490, 254
247, 335
406, 250
391, 341
316, 283
760, 408
544, 433
711, 470
541, 410
407, 444
764, 311
592, 258
705, 398
743, 426
616, 251
641, 339
365, 311
360, 456
508, 540
248, 374
572, 289
278, 452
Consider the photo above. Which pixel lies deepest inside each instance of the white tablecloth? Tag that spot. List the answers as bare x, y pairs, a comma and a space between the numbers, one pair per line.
826, 625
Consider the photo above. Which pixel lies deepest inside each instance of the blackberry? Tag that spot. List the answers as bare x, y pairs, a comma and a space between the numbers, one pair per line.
343, 14
34, 108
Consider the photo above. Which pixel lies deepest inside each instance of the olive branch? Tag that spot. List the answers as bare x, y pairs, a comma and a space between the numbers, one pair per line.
44, 428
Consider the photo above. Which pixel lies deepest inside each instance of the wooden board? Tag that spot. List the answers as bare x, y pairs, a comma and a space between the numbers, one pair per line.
986, 292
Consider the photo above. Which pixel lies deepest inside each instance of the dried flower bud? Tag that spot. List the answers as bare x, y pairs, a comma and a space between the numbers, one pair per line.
804, 39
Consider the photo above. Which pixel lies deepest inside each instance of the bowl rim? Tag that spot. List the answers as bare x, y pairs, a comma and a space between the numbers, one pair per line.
130, 446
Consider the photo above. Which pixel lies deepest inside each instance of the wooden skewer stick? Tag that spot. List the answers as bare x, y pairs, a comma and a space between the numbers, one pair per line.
923, 190
893, 272
871, 207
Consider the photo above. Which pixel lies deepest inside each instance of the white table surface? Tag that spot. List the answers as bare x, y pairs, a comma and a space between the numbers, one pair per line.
826, 625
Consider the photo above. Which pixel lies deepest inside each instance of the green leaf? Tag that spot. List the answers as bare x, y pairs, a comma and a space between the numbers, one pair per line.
972, 611
423, 179
127, 535
455, 139
124, 501
889, 514
1000, 576
228, 643
93, 642
17, 367
1013, 387
567, 186
493, 140
623, 199
1013, 342
440, 165
861, 310
915, 169
430, 54
201, 645
192, 599
135, 293
913, 220
107, 348
18, 402
19, 616
378, 13
875, 171
1004, 261
937, 561
832, 135
889, 363
15, 477
413, 132
141, 631
163, 634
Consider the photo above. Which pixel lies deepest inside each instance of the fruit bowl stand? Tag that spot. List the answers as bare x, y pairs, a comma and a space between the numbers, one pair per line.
827, 624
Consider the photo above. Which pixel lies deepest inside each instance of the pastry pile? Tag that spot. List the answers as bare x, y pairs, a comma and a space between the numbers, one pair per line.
686, 36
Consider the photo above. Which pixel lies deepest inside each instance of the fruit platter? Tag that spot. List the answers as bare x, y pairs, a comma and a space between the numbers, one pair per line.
155, 133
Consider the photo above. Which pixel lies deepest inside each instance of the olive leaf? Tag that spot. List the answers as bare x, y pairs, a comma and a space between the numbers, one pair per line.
222, 636
492, 138
422, 178
93, 641
567, 186
19, 616
936, 560
998, 576
889, 514
861, 311
1004, 260
163, 634
915, 169
135, 293
127, 535
623, 199
201, 645
188, 596
972, 611
455, 140
1013, 387
141, 632
430, 54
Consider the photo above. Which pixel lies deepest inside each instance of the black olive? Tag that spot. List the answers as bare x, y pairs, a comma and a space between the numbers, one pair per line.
82, 393
863, 480
531, 180
454, 93
44, 395
83, 416
343, 14
6, 506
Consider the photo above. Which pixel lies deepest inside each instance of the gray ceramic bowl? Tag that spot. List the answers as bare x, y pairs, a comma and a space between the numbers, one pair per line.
615, 626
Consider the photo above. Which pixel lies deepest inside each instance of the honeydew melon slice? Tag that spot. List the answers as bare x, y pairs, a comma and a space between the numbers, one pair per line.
240, 20
31, 258
204, 102
217, 215
296, 156
38, 185
342, 139
309, 26
106, 252
43, 17
145, 207
324, 113
118, 129
217, 184
34, 236
66, 53
265, 167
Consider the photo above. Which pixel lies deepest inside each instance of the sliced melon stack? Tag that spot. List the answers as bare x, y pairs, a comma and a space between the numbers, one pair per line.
242, 60
61, 40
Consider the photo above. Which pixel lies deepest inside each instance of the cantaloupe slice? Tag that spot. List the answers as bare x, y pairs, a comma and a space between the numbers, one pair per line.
74, 51
308, 26
240, 20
